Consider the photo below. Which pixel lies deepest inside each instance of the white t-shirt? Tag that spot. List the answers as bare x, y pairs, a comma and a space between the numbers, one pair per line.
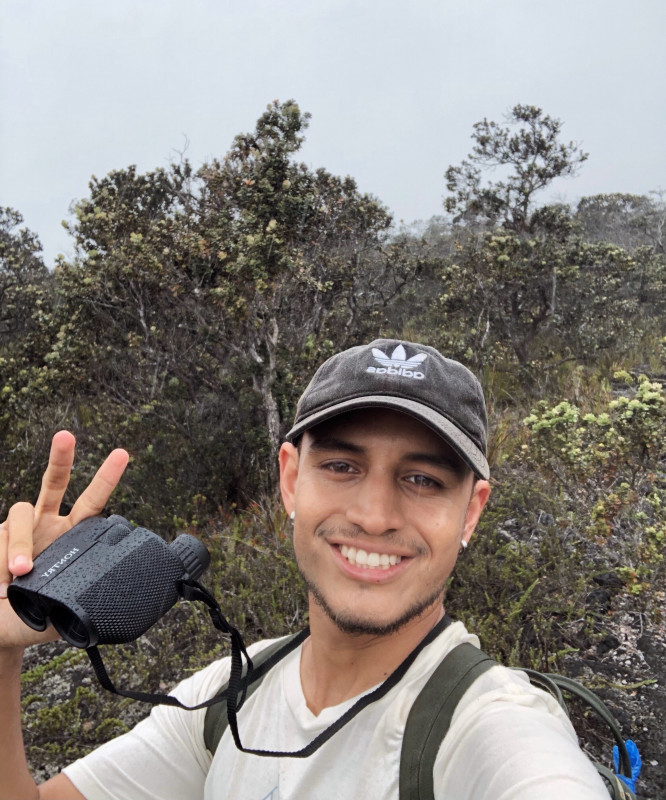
507, 741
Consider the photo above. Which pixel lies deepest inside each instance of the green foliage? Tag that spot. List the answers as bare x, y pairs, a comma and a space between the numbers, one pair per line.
627, 434
26, 400
580, 493
608, 466
626, 220
40, 671
258, 584
537, 286
523, 600
537, 299
274, 236
68, 729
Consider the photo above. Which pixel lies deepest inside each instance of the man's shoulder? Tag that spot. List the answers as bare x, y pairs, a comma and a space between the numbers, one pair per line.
497, 685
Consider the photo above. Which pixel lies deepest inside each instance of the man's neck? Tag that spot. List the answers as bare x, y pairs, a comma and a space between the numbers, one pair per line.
336, 666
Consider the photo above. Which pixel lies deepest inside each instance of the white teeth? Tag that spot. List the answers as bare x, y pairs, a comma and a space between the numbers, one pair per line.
361, 558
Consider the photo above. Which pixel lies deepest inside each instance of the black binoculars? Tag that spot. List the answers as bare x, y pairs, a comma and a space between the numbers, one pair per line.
105, 581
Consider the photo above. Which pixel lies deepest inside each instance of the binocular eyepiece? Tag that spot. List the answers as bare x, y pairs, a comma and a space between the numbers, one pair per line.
105, 582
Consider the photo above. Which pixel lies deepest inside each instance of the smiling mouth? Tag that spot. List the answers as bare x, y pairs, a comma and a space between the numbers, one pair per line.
363, 558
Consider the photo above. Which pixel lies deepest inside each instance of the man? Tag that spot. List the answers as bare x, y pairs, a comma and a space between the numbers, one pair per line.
384, 474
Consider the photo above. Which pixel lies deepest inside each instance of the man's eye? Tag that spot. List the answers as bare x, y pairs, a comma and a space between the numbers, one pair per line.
423, 481
338, 466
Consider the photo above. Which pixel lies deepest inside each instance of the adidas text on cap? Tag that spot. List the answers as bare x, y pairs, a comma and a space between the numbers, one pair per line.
412, 378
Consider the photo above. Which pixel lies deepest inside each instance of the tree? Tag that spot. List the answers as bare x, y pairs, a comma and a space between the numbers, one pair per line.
286, 249
627, 220
537, 300
196, 302
533, 284
22, 273
531, 154
26, 306
132, 340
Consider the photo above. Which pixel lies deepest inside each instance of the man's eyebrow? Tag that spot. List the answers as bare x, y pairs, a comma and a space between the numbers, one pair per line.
445, 461
322, 444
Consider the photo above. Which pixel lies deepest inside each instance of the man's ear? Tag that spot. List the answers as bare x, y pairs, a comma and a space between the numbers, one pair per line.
477, 502
288, 475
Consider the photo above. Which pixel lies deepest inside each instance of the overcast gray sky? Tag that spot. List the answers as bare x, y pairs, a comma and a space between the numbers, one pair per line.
394, 87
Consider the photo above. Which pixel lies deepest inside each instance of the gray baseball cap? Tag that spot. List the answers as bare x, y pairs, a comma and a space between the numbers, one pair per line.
413, 378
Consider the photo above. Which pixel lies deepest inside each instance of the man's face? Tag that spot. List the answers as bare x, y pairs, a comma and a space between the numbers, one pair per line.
381, 508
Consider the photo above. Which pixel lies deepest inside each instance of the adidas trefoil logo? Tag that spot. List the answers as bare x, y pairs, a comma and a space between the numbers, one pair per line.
398, 363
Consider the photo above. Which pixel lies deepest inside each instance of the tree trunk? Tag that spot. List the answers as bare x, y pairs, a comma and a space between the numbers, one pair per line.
263, 384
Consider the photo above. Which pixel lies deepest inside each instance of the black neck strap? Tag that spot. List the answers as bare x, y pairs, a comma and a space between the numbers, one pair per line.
189, 590
240, 680
393, 679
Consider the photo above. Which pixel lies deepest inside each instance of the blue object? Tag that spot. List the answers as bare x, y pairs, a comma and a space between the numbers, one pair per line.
635, 761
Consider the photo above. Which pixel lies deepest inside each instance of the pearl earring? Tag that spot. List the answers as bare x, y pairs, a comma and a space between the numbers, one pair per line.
292, 516
463, 547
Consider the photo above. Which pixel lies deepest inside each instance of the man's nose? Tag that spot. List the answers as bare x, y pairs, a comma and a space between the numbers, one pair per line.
375, 506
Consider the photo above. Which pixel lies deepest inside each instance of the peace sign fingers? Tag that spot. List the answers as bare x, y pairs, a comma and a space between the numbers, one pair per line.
100, 488
56, 476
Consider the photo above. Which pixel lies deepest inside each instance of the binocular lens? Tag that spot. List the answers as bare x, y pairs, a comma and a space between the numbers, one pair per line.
69, 626
29, 610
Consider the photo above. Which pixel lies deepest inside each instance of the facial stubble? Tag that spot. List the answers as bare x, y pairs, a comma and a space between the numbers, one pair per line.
359, 626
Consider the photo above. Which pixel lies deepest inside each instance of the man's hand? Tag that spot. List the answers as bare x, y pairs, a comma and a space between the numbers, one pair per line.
28, 530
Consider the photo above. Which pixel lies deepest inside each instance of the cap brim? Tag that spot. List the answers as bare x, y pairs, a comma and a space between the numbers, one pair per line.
451, 434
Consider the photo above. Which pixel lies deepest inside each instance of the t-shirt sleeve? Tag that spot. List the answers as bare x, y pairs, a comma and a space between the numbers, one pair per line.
511, 741
164, 756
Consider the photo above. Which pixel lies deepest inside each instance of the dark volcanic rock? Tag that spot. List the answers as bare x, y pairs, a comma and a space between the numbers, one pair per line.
607, 644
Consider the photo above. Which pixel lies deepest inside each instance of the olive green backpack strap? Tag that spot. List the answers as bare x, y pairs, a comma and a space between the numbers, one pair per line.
216, 721
555, 684
432, 711
430, 718
601, 710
